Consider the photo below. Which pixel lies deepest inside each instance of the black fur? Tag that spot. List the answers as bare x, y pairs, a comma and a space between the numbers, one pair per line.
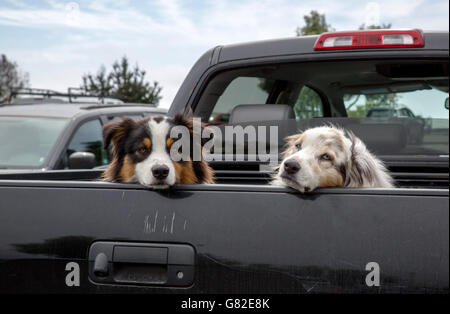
128, 135
125, 125
199, 170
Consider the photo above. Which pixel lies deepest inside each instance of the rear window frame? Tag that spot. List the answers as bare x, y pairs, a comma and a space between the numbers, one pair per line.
405, 54
322, 56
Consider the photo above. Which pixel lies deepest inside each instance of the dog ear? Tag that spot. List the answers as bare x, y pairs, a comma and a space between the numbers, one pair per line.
365, 170
292, 139
290, 144
115, 132
187, 120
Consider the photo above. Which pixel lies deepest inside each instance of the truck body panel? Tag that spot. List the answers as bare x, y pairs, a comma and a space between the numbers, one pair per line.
248, 239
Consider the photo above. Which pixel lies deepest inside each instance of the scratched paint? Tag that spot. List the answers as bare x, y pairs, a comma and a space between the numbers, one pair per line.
166, 225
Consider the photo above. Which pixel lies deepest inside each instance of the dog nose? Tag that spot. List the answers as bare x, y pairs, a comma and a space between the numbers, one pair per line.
291, 166
160, 172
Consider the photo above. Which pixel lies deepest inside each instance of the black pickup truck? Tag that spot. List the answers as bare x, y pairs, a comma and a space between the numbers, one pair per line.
71, 233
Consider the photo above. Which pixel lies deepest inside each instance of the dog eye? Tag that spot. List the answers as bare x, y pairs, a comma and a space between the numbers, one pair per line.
143, 150
325, 157
298, 146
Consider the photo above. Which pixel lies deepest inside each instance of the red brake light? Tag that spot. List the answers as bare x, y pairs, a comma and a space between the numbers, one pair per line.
379, 38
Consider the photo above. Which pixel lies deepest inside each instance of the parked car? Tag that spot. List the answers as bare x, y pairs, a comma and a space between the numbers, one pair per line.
51, 134
414, 126
243, 235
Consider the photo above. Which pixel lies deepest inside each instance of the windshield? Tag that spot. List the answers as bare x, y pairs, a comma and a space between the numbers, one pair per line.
25, 142
396, 107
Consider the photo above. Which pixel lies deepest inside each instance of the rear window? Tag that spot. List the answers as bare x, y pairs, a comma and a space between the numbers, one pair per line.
305, 102
397, 107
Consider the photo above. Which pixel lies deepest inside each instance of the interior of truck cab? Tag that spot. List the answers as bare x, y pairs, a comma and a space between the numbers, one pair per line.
396, 107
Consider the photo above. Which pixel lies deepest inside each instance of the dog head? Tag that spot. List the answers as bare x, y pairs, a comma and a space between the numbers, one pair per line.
329, 157
142, 153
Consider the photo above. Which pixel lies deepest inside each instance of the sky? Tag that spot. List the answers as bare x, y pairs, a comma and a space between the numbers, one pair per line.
57, 42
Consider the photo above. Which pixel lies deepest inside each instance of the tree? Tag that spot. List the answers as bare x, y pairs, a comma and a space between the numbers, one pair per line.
315, 23
376, 100
382, 26
308, 104
100, 83
123, 82
10, 78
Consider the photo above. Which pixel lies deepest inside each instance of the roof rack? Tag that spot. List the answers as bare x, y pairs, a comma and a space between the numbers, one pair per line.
71, 94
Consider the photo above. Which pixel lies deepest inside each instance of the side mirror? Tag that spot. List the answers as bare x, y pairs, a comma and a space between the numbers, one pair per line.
82, 160
446, 103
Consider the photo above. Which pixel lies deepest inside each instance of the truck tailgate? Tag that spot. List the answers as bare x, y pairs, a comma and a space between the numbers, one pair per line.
247, 238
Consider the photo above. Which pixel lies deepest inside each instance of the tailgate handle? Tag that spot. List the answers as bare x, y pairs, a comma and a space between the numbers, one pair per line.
101, 265
140, 255
142, 263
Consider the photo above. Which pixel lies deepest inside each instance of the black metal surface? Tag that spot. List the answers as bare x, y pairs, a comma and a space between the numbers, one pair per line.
71, 94
431, 176
247, 238
145, 264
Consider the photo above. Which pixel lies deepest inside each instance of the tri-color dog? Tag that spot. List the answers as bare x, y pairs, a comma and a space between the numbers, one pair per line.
329, 157
141, 153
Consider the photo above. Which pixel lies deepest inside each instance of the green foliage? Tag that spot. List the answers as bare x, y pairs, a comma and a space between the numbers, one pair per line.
315, 23
308, 105
123, 82
100, 84
378, 100
10, 78
382, 26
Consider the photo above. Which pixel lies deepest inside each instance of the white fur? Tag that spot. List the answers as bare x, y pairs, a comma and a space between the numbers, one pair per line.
362, 168
158, 155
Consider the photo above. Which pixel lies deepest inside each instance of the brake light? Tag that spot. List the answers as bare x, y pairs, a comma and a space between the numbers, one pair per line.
370, 39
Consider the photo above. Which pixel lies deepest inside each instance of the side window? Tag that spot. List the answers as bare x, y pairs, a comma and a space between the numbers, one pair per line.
241, 91
410, 114
403, 113
308, 105
116, 118
88, 138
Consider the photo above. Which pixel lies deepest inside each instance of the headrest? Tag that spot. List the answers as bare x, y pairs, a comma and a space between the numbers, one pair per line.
267, 112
